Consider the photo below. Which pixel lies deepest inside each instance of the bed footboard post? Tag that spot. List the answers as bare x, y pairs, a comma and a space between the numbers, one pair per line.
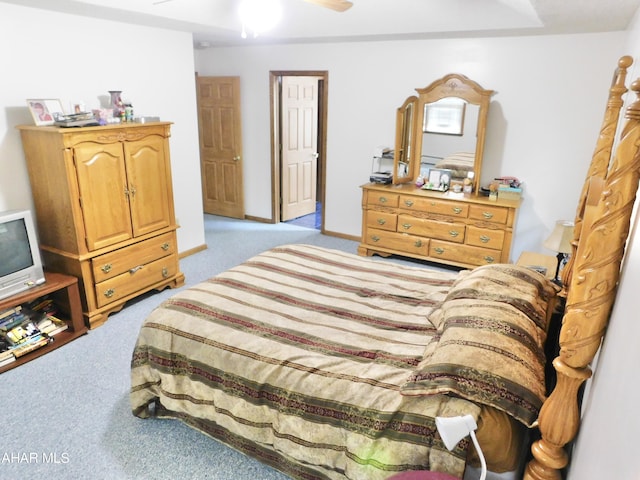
592, 290
559, 421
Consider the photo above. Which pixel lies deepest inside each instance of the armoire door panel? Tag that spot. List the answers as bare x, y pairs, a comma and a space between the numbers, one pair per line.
103, 187
148, 185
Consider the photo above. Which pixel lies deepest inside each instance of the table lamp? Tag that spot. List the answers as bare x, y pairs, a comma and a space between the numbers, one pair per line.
560, 241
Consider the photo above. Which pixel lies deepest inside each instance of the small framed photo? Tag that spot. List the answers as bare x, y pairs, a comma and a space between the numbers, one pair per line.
44, 111
438, 179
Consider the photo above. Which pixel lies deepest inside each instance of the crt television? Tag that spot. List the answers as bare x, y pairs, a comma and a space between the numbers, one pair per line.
20, 263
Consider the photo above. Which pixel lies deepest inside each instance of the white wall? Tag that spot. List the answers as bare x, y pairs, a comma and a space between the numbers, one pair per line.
606, 444
77, 59
544, 118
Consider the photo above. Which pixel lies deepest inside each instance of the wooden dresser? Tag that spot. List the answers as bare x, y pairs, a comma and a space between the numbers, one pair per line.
104, 207
449, 228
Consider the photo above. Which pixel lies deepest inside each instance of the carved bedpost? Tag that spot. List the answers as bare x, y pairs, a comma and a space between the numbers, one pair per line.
602, 153
590, 298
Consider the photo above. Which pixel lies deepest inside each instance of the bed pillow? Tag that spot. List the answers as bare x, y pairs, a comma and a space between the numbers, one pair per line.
490, 342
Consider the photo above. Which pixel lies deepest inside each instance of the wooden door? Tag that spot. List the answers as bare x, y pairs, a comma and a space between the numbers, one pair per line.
149, 187
102, 184
220, 145
299, 145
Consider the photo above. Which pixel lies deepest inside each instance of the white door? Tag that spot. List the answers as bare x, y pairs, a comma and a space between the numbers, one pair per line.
299, 152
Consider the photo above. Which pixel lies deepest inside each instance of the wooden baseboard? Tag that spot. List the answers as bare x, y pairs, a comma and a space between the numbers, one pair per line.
192, 251
341, 235
259, 219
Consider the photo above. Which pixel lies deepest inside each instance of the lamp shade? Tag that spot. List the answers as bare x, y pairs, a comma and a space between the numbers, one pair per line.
560, 239
454, 429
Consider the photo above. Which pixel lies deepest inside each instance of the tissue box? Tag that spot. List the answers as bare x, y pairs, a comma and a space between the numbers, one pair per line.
505, 192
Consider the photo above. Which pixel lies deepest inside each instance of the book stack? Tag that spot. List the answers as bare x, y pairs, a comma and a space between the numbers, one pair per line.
26, 328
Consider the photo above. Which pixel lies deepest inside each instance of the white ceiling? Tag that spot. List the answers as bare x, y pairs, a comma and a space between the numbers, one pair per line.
216, 22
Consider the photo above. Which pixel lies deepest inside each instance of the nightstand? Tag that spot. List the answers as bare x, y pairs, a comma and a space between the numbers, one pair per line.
545, 264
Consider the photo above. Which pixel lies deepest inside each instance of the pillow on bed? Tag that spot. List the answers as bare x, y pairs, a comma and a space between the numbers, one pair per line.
462, 161
490, 343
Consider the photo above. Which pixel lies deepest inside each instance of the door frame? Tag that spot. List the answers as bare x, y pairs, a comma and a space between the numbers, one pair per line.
276, 164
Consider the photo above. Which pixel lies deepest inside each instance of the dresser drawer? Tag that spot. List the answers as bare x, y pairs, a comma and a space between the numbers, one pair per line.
119, 261
454, 232
465, 254
138, 278
382, 220
489, 213
485, 237
432, 205
397, 241
383, 199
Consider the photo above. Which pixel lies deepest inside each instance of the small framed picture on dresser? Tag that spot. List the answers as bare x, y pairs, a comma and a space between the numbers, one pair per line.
44, 111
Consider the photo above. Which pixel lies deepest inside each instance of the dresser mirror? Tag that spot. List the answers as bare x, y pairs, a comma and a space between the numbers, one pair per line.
403, 170
443, 127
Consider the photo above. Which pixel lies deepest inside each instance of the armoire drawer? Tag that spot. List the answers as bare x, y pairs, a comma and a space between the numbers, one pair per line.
382, 220
485, 237
397, 241
463, 253
453, 232
136, 279
119, 261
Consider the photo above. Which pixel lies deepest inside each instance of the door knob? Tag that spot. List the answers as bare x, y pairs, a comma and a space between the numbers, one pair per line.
236, 158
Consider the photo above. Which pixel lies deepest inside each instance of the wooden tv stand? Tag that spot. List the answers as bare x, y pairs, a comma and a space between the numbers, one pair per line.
64, 290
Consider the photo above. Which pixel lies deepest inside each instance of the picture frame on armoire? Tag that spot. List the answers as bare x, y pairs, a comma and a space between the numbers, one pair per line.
44, 111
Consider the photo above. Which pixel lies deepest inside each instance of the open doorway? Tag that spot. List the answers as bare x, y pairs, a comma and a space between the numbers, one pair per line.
298, 121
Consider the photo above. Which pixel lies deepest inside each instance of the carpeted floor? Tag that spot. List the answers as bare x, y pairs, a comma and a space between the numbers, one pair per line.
66, 414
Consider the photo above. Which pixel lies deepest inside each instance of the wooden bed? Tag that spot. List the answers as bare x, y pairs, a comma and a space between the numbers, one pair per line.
327, 365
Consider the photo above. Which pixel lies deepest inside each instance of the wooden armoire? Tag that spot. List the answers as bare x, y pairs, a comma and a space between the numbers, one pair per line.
104, 207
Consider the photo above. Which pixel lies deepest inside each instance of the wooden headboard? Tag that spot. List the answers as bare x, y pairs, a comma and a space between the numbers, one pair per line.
601, 230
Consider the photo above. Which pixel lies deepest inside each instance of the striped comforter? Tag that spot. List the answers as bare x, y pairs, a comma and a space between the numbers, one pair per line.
297, 357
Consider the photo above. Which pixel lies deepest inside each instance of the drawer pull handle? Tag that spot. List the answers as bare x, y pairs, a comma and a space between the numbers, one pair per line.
406, 226
135, 269
165, 246
487, 215
375, 238
433, 204
484, 239
439, 250
454, 233
382, 199
106, 268
489, 259
165, 272
456, 210
408, 203
109, 293
418, 243
381, 221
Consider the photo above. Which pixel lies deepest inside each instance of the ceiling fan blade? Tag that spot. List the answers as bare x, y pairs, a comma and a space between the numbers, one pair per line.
337, 5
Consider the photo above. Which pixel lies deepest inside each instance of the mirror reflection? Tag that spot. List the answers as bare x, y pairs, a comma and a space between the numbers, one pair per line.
443, 128
403, 170
441, 147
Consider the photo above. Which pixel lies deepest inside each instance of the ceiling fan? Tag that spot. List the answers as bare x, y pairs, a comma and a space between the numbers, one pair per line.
337, 5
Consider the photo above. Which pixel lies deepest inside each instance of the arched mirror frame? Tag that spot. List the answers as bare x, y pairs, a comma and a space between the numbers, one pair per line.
451, 85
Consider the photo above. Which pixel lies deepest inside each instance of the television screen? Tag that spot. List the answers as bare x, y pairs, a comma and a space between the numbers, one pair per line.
15, 252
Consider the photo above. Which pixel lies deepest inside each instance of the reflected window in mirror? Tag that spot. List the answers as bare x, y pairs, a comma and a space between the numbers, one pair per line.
445, 117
